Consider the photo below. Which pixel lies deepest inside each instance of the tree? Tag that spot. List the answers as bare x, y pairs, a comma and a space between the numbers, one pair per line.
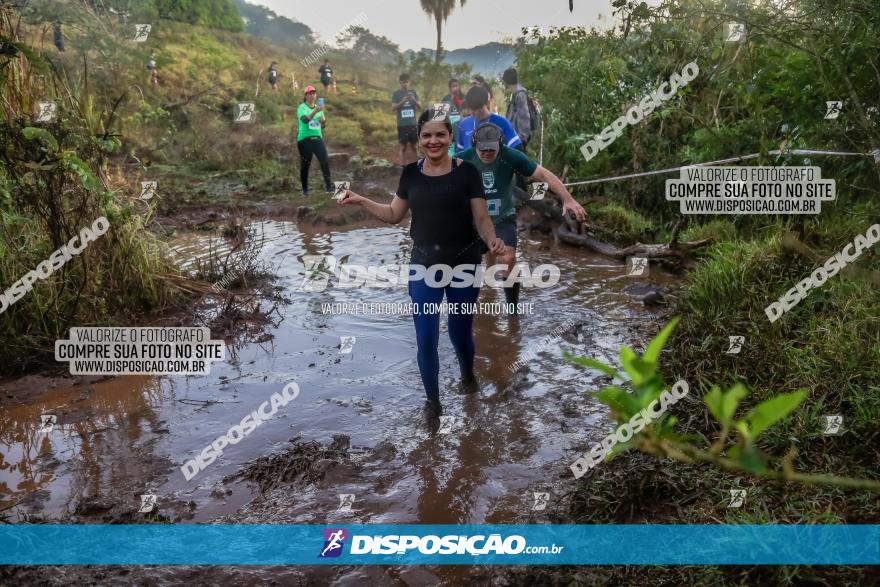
220, 14
368, 46
439, 10
278, 30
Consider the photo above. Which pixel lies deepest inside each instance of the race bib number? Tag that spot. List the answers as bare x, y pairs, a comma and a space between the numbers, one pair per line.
494, 206
314, 124
407, 113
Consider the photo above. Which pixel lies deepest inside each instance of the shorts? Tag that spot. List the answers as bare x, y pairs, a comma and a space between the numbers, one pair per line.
327, 83
506, 231
408, 134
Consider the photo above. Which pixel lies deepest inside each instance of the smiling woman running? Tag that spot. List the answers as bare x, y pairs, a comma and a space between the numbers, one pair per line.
449, 219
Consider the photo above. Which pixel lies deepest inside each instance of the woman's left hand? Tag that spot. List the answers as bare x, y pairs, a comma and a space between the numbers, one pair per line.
496, 246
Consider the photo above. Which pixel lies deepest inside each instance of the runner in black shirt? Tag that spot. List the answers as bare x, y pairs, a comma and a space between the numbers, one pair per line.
449, 219
326, 73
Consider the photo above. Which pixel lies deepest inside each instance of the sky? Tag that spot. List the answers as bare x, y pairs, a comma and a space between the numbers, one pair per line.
479, 22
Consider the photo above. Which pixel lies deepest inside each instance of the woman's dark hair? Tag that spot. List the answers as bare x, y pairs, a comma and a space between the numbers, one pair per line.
428, 116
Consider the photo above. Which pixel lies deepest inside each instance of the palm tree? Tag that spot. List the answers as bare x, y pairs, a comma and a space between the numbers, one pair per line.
439, 10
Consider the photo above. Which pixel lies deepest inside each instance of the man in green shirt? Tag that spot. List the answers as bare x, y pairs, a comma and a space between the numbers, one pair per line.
309, 140
497, 165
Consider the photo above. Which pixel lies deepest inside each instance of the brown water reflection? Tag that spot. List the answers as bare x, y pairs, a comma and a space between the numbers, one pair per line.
119, 438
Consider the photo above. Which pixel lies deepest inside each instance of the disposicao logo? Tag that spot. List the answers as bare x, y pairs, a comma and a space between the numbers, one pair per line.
334, 539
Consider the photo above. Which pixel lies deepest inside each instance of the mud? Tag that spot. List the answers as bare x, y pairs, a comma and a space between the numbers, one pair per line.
357, 428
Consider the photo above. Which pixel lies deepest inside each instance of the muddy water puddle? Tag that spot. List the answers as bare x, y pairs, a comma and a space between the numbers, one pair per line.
117, 439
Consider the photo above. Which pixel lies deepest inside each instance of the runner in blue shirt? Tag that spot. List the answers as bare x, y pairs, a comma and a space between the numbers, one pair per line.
477, 100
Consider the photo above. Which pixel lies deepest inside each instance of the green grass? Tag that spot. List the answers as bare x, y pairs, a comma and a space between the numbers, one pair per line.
624, 225
718, 230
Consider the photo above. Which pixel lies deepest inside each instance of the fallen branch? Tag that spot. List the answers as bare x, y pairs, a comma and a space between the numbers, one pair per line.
569, 233
659, 251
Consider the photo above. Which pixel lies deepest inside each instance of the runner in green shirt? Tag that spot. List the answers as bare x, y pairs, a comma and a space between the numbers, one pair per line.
497, 165
309, 140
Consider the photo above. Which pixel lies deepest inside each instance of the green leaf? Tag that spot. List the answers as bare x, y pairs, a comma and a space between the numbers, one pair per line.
713, 402
652, 353
649, 391
42, 135
591, 363
743, 430
618, 449
78, 166
767, 412
638, 370
723, 406
749, 458
731, 400
618, 400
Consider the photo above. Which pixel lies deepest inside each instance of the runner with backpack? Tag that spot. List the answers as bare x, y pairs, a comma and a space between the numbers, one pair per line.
521, 110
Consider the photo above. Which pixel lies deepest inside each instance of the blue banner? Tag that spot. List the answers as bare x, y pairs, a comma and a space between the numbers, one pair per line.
214, 544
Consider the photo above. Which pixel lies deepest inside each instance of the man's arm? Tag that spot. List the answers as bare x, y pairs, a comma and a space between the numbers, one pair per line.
556, 186
395, 106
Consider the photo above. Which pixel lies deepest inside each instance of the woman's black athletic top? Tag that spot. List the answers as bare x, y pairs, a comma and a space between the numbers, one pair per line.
442, 225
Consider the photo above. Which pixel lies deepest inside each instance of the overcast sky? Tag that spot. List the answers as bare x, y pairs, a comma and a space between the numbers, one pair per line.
480, 21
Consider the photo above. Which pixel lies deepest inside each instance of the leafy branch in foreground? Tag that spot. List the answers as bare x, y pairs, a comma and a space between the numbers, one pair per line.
641, 385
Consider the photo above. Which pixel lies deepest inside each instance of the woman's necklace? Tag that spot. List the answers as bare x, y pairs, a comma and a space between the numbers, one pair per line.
441, 169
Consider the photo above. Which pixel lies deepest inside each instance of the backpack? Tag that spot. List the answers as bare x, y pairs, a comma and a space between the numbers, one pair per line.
534, 116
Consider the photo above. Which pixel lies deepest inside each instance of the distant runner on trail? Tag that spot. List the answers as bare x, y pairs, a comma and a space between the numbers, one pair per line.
58, 36
309, 140
327, 77
477, 100
521, 111
497, 165
405, 103
449, 230
154, 71
454, 96
455, 101
273, 76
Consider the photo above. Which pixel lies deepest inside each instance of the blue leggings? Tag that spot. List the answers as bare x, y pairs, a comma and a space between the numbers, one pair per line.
428, 330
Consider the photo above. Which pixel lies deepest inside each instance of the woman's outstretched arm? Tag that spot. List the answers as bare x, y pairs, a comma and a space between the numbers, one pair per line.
391, 213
